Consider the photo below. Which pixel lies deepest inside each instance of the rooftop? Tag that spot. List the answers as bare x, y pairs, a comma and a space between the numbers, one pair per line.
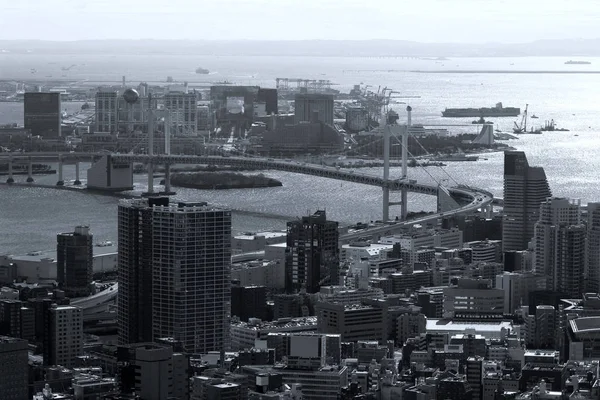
38, 255
462, 326
586, 324
267, 235
282, 323
8, 339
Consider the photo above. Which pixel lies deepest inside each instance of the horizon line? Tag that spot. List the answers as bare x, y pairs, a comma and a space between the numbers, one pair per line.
296, 40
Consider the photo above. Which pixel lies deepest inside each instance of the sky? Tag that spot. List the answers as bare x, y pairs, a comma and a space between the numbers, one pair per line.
441, 21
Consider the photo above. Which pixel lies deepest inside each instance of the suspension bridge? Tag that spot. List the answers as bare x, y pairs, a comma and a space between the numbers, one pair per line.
114, 172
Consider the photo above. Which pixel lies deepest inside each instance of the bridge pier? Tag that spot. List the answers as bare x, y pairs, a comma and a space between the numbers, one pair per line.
168, 190
150, 191
10, 171
386, 204
30, 171
404, 205
386, 167
404, 192
77, 181
60, 182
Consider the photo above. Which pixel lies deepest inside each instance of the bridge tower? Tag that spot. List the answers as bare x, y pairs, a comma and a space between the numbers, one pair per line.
388, 127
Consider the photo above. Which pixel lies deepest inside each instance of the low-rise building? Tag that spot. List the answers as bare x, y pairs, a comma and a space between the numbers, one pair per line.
244, 334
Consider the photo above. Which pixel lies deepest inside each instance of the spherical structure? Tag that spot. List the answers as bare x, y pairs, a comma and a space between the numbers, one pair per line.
408, 108
131, 96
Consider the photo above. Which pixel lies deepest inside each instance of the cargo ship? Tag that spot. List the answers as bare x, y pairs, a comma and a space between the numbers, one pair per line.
497, 111
571, 62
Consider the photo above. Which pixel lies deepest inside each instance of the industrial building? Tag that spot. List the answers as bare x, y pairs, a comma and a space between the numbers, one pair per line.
307, 105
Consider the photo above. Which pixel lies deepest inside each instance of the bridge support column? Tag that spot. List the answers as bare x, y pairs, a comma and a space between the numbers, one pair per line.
168, 190
405, 133
10, 171
60, 182
30, 171
386, 204
404, 205
77, 181
150, 191
386, 167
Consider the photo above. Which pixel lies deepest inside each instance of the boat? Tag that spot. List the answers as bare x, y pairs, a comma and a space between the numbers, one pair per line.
225, 82
571, 62
202, 71
497, 111
456, 157
534, 116
549, 126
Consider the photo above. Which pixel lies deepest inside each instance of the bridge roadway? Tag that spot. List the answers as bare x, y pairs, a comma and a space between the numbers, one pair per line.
259, 163
472, 199
479, 199
280, 165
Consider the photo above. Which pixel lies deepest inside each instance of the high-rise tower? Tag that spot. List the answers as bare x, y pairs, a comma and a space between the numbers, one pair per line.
135, 269
191, 275
559, 243
525, 188
592, 262
174, 273
312, 253
75, 261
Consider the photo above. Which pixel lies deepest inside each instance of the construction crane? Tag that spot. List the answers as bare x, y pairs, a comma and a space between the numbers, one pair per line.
523, 126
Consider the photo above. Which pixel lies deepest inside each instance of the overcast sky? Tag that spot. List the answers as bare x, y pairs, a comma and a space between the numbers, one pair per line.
419, 20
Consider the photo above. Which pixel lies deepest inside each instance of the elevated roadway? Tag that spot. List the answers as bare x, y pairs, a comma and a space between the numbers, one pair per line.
474, 199
99, 303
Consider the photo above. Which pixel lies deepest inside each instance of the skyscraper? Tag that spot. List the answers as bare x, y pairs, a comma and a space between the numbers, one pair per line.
312, 253
592, 262
135, 269
106, 110
174, 273
525, 188
14, 368
42, 114
115, 115
65, 335
559, 244
182, 113
191, 275
75, 261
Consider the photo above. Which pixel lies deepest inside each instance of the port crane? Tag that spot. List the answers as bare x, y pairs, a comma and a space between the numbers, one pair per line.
523, 126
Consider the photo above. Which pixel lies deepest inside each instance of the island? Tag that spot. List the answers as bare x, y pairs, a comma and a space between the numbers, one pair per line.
222, 180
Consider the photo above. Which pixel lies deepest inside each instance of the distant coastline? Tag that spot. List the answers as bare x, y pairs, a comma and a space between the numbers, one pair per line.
503, 71
315, 48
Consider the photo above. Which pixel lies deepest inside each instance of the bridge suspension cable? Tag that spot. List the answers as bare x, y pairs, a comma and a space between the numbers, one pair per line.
439, 166
414, 158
